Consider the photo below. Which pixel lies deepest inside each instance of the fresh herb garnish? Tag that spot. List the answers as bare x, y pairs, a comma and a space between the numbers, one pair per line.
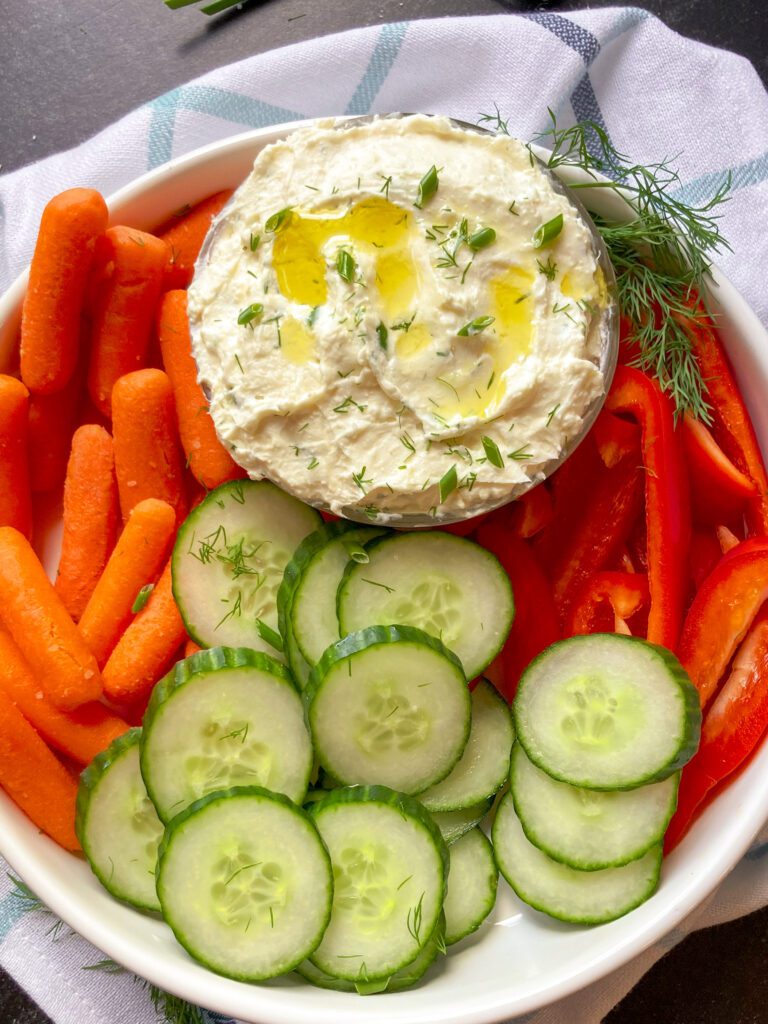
246, 316
361, 481
475, 326
254, 242
492, 452
427, 187
552, 414
278, 220
385, 187
546, 233
347, 404
519, 454
269, 636
382, 334
548, 269
404, 325
449, 481
345, 265
480, 239
142, 597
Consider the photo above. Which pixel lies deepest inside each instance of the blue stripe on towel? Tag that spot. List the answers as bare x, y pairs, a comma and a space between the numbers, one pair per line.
383, 57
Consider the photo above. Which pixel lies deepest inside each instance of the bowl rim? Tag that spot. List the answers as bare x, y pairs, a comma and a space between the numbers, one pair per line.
30, 854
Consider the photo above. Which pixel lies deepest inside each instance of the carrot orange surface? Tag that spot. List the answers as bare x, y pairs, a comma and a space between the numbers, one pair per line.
34, 779
148, 457
147, 647
71, 224
138, 557
35, 616
90, 517
80, 734
15, 501
184, 236
124, 309
208, 460
52, 420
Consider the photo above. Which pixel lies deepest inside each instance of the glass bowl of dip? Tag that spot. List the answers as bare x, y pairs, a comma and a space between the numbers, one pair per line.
318, 378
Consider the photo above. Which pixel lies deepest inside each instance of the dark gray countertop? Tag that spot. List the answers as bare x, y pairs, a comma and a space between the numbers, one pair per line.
68, 69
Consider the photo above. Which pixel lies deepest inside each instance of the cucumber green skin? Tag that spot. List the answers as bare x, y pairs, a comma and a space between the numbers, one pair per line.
691, 732
375, 636
582, 865
180, 542
236, 793
450, 835
474, 923
203, 663
406, 977
89, 780
562, 917
407, 806
340, 593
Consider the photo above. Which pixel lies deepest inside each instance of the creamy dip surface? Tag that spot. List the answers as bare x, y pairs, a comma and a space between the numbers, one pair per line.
391, 318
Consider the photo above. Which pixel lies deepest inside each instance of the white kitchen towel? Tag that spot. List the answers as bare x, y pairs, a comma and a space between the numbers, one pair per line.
656, 93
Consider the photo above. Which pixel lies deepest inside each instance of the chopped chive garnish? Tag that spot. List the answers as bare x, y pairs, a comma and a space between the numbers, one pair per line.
382, 334
552, 414
492, 452
313, 463
481, 238
312, 316
142, 597
547, 232
346, 266
520, 453
511, 208
277, 220
475, 326
385, 187
247, 315
427, 187
254, 242
449, 481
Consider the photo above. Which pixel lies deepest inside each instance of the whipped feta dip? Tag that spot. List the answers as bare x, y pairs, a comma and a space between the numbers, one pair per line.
398, 317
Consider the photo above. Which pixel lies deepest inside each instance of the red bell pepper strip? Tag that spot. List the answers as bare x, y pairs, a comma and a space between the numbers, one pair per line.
666, 500
535, 625
624, 592
732, 728
726, 538
614, 437
531, 512
721, 613
731, 423
719, 491
704, 555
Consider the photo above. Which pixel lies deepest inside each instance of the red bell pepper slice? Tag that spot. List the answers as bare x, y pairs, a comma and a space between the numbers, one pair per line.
731, 422
704, 555
719, 491
535, 625
720, 615
666, 500
624, 592
531, 512
732, 728
614, 437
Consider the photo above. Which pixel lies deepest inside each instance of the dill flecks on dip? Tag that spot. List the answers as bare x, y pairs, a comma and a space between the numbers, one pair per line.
412, 280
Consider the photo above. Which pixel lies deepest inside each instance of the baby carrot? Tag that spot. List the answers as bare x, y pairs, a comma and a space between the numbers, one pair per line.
52, 420
36, 618
184, 236
34, 779
190, 648
125, 308
138, 557
15, 502
80, 734
147, 647
50, 324
90, 517
207, 458
148, 458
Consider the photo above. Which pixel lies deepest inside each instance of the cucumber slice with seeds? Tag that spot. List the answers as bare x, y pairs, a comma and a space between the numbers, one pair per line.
314, 622
472, 883
484, 765
390, 867
245, 882
224, 717
229, 558
607, 712
389, 705
448, 586
116, 823
582, 897
586, 828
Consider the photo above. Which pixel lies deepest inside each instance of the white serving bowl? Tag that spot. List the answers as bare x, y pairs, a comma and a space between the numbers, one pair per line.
520, 960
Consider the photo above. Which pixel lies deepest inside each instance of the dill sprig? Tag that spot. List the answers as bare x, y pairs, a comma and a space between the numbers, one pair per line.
661, 254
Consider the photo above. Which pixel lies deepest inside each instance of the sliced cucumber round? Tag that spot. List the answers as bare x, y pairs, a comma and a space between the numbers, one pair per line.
484, 766
448, 586
607, 712
314, 621
406, 977
116, 823
454, 824
389, 705
472, 883
390, 867
229, 558
245, 883
582, 897
586, 828
224, 717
